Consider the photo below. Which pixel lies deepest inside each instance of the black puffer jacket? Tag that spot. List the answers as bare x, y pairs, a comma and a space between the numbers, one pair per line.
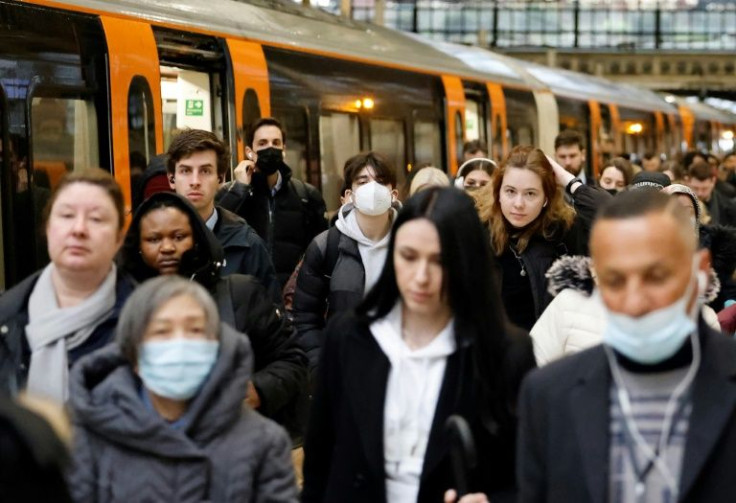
321, 292
285, 221
280, 366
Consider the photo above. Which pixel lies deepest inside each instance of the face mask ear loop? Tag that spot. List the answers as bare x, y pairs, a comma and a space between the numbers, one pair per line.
624, 402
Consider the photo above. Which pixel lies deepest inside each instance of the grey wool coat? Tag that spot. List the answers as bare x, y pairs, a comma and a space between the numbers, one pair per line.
224, 452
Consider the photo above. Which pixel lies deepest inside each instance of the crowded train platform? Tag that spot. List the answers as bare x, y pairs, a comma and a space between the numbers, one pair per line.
286, 250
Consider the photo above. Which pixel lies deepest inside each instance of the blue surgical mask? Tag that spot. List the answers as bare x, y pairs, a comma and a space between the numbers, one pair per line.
657, 335
176, 368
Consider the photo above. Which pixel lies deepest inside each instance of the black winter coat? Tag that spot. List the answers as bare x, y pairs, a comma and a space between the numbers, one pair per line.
15, 353
344, 446
320, 293
564, 439
280, 366
285, 222
541, 253
245, 252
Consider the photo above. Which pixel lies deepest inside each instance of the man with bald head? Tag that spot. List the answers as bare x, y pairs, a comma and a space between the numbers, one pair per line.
649, 415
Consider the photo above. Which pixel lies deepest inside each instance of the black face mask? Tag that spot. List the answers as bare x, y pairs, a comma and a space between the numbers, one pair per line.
613, 192
270, 160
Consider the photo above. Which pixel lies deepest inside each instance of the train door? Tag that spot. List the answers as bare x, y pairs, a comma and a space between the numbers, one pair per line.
252, 95
477, 115
55, 120
455, 121
521, 117
499, 141
427, 139
339, 140
135, 100
194, 84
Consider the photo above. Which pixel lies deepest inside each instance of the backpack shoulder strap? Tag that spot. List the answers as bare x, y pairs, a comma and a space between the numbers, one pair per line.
301, 190
332, 251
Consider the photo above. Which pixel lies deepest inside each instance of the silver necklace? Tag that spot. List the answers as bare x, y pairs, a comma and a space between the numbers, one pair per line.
521, 262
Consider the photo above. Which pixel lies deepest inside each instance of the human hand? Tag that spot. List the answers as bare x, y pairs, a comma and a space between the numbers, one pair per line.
562, 176
252, 398
451, 497
244, 171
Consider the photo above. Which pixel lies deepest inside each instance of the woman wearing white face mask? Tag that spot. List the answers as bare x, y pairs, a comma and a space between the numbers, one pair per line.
160, 415
343, 263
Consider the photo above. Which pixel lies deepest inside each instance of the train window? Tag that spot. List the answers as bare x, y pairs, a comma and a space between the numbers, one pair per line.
574, 114
251, 109
472, 126
606, 139
640, 134
427, 143
294, 122
339, 139
388, 139
141, 126
476, 112
521, 117
64, 136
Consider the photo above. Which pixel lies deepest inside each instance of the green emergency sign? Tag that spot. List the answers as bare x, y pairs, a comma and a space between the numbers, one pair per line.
194, 108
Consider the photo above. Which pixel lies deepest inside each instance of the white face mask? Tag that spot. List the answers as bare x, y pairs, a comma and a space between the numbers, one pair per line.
372, 198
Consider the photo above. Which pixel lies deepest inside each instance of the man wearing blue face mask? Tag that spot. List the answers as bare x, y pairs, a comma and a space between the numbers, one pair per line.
650, 415
287, 213
342, 264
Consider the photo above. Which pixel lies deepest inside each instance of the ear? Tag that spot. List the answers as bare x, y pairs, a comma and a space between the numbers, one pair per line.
545, 203
348, 196
394, 195
172, 182
249, 154
703, 260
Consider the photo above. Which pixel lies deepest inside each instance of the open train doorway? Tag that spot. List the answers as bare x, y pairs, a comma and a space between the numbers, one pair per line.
193, 83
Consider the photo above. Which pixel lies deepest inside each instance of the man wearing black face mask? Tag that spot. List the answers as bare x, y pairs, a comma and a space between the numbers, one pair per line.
287, 213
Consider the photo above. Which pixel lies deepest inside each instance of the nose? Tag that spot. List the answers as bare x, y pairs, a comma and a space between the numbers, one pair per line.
421, 275
80, 225
635, 302
518, 201
194, 180
167, 246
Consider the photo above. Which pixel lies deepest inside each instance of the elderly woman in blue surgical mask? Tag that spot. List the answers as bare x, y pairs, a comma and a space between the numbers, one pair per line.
160, 415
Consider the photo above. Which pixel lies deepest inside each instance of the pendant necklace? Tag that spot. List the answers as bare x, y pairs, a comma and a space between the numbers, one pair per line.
518, 257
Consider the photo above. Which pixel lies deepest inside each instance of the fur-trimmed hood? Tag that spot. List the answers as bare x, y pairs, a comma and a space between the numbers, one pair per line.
574, 272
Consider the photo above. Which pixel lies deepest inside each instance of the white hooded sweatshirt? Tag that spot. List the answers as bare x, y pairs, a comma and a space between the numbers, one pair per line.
372, 253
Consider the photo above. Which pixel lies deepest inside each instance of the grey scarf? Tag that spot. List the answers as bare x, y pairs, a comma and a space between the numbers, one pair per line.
52, 331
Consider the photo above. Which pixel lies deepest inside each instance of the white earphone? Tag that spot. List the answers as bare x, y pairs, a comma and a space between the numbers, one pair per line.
460, 179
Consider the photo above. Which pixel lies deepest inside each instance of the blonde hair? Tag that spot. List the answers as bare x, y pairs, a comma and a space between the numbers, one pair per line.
556, 217
428, 177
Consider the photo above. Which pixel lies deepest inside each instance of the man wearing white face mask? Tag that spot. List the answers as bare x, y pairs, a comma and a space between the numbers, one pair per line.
343, 263
650, 415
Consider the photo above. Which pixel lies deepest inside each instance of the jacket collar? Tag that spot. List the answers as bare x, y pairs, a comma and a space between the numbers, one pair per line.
231, 230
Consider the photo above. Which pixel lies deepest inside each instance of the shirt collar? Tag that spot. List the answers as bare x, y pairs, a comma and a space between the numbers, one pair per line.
277, 186
212, 221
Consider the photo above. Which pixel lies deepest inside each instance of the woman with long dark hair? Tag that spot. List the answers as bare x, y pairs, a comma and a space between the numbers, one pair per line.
430, 340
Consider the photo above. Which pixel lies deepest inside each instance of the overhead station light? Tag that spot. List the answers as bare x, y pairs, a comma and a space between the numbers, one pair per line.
365, 104
634, 128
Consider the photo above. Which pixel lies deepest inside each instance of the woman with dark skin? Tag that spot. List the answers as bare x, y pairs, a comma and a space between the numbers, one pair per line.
167, 237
